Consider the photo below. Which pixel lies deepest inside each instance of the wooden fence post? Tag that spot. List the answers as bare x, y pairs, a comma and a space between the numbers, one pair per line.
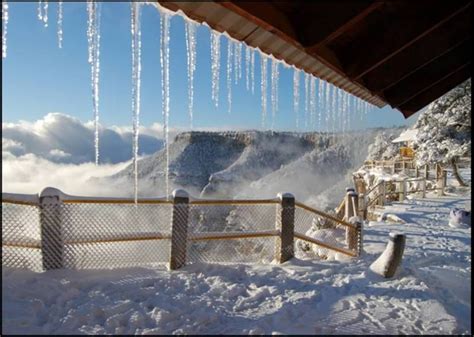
417, 171
52, 247
179, 229
427, 172
401, 190
442, 182
387, 263
381, 192
360, 238
285, 224
362, 206
423, 188
351, 233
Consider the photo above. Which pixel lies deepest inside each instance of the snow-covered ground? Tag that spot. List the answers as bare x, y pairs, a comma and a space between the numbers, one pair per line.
430, 293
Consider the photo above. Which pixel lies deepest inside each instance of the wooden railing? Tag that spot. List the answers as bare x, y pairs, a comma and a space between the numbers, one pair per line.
63, 226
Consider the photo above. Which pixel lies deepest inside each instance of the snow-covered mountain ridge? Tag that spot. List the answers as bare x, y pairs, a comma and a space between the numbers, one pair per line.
316, 167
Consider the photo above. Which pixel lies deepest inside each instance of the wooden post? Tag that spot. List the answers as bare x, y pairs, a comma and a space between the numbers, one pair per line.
423, 188
360, 238
417, 172
52, 247
362, 206
427, 172
179, 229
387, 263
351, 234
441, 183
348, 206
286, 225
381, 192
401, 190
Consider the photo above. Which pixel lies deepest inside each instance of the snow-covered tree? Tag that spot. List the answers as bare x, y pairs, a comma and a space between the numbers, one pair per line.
444, 129
383, 148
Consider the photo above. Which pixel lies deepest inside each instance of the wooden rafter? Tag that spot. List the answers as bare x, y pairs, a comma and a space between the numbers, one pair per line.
380, 54
435, 90
431, 73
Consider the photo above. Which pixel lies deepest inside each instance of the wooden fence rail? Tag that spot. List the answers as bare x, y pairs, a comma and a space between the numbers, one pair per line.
56, 210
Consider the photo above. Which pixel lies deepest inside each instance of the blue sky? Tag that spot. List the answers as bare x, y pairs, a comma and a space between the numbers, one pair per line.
38, 77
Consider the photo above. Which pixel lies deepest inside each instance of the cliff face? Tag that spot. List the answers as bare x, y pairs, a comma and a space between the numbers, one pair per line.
252, 164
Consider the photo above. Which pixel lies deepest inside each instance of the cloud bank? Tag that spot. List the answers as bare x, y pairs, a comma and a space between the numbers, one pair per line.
63, 139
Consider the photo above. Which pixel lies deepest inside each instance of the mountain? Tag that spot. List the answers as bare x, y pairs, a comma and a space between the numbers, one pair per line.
253, 164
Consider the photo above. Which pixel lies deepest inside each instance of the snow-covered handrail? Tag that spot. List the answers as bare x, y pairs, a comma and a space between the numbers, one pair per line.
324, 215
21, 199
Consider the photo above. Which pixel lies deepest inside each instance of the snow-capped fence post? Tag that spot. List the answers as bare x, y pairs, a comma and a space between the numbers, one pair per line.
285, 224
347, 203
52, 247
353, 206
387, 263
179, 229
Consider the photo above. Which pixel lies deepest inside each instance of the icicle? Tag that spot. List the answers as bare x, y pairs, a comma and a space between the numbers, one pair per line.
339, 110
252, 67
312, 101
229, 73
43, 12
239, 50
346, 112
264, 87
136, 69
236, 63
60, 24
327, 106
190, 30
93, 39
215, 65
306, 99
333, 109
296, 93
274, 89
247, 65
40, 10
165, 84
320, 102
4, 28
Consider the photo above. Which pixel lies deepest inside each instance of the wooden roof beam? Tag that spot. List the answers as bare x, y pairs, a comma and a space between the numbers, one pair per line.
439, 42
435, 91
431, 73
342, 28
264, 15
407, 36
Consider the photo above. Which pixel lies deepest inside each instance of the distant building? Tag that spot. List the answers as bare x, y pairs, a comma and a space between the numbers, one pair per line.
406, 140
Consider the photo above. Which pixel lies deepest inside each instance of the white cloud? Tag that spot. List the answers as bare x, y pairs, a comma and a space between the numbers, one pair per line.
65, 139
31, 174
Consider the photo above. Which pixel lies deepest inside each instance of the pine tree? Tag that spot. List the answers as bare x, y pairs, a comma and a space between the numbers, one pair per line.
444, 129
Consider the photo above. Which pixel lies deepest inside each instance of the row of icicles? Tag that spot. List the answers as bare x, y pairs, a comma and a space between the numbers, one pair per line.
326, 107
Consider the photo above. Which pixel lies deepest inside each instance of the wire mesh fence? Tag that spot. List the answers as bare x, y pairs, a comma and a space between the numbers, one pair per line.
92, 234
224, 226
97, 235
323, 236
21, 236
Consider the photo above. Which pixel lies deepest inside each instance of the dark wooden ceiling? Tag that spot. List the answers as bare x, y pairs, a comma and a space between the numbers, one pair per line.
407, 53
